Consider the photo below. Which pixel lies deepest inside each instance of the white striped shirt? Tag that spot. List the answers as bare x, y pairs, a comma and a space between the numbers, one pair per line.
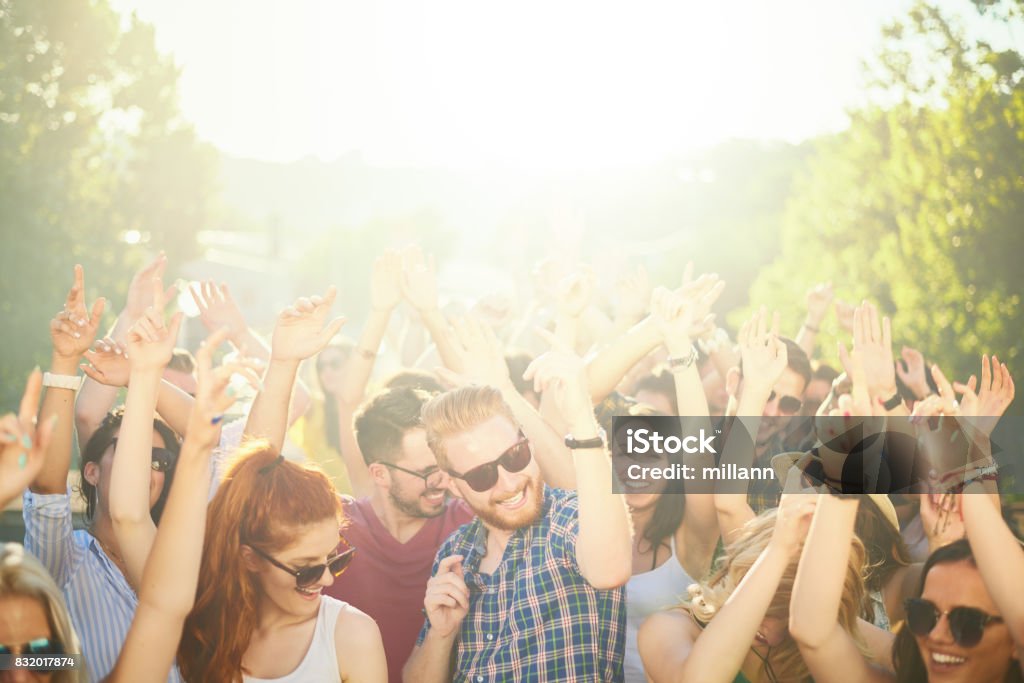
100, 601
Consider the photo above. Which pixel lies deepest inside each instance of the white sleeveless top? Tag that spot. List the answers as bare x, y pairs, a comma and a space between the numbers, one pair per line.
659, 589
321, 661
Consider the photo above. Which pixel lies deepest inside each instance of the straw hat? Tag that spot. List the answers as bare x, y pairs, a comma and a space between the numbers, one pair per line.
784, 462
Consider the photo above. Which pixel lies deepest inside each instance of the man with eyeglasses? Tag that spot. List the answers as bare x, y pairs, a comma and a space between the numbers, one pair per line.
398, 529
532, 589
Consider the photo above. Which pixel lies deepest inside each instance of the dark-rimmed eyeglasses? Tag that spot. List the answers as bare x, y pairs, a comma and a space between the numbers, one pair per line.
967, 624
307, 576
163, 459
514, 459
790, 405
433, 479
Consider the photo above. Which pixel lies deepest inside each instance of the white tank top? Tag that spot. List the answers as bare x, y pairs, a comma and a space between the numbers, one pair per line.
659, 589
321, 661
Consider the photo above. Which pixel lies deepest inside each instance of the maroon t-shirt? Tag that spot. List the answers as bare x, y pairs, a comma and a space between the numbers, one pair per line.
388, 579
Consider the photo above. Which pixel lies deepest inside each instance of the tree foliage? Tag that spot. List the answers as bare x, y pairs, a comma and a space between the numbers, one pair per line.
919, 205
92, 147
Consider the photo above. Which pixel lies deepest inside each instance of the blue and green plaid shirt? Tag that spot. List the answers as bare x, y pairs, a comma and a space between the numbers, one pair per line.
535, 618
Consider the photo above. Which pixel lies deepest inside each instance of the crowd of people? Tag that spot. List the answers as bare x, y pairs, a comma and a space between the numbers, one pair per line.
458, 515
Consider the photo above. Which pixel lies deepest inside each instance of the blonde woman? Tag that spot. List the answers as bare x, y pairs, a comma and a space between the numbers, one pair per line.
733, 629
33, 617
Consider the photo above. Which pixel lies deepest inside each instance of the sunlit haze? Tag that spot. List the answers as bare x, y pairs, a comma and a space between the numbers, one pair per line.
456, 83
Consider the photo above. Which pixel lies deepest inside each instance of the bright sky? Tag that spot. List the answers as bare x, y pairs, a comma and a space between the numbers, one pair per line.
531, 83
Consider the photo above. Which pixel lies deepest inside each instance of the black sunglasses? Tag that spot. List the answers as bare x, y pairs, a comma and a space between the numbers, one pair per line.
307, 576
163, 460
789, 405
483, 477
39, 646
967, 624
431, 480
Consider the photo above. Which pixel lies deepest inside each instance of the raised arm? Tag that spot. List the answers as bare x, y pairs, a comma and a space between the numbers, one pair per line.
150, 346
168, 586
604, 545
828, 649
302, 331
819, 299
717, 654
23, 443
419, 287
71, 331
217, 309
95, 400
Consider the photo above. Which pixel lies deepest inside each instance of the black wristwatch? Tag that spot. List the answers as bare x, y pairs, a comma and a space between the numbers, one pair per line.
572, 443
894, 402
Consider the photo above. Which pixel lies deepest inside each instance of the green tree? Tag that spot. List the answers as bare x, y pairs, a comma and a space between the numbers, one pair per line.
918, 204
92, 147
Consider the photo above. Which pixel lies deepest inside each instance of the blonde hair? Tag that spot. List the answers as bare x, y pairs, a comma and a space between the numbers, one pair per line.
23, 575
707, 597
458, 411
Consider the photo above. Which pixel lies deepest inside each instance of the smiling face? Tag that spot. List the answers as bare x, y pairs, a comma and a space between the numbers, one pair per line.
790, 384
99, 474
313, 545
644, 491
409, 493
22, 620
959, 584
516, 499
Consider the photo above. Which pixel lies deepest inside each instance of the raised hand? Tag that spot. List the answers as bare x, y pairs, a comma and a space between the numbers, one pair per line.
819, 298
22, 442
942, 403
793, 521
911, 371
213, 396
764, 354
632, 295
480, 355
447, 597
73, 329
562, 376
574, 292
140, 291
941, 518
874, 340
150, 340
844, 314
303, 330
217, 309
419, 280
108, 363
858, 401
386, 281
994, 396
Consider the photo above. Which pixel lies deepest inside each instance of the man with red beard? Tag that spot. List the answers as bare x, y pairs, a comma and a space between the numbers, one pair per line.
531, 589
398, 529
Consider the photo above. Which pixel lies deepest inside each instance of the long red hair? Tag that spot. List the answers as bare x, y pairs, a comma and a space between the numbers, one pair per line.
260, 502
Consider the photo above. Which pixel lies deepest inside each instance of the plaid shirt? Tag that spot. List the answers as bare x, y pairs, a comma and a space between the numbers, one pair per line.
765, 494
535, 618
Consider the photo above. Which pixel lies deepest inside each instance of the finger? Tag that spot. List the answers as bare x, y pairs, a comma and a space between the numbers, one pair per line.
875, 325
30, 401
945, 390
98, 307
858, 327
775, 324
225, 293
986, 373
94, 373
329, 296
762, 324
200, 304
208, 294
303, 304
997, 375
159, 297
143, 328
448, 564
332, 329
10, 430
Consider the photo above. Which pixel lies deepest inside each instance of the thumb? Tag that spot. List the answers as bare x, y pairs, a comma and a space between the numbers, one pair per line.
332, 329
175, 326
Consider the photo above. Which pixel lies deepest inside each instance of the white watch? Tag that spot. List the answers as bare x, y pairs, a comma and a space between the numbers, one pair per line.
72, 382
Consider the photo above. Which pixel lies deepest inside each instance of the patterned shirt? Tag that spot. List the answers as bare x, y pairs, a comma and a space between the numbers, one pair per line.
535, 618
100, 601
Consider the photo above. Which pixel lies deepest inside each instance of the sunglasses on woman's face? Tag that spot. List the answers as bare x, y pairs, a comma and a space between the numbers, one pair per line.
163, 460
967, 624
39, 646
483, 477
790, 405
307, 576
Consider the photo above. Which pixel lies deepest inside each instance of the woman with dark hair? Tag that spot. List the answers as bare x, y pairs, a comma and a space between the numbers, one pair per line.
956, 628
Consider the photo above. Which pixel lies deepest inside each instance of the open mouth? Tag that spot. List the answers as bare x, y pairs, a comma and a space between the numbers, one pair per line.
515, 502
759, 637
309, 593
434, 497
942, 660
